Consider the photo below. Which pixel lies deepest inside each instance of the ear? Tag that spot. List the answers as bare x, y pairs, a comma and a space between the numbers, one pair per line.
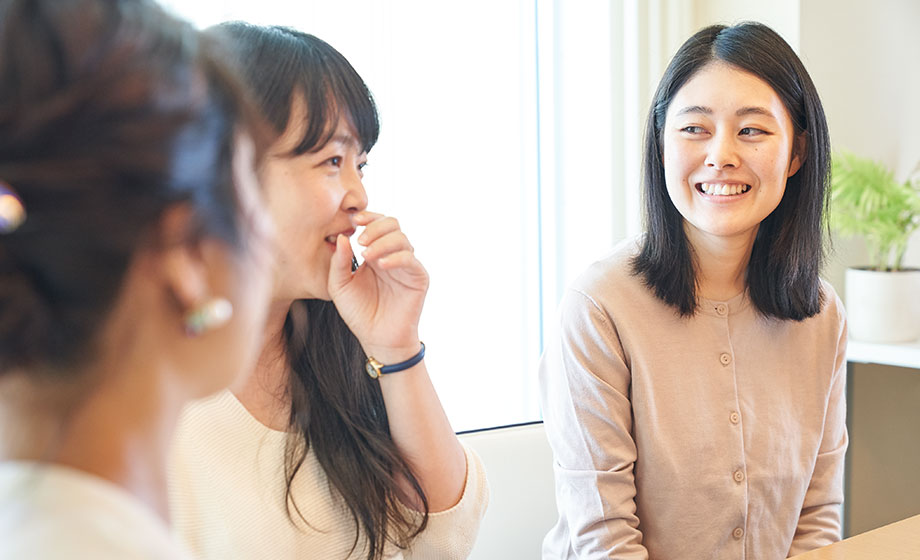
799, 152
181, 260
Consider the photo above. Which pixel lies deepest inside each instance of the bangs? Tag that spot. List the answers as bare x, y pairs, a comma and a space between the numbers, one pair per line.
331, 90
329, 101
279, 62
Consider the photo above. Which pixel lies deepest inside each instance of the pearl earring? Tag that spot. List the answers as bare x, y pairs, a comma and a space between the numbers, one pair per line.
210, 315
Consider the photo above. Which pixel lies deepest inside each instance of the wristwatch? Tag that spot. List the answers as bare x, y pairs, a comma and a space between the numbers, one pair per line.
375, 368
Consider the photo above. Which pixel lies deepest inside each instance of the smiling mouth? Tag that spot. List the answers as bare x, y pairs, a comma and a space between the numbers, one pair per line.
722, 189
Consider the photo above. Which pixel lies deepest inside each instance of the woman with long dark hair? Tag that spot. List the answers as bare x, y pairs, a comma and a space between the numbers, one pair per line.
134, 271
337, 447
694, 395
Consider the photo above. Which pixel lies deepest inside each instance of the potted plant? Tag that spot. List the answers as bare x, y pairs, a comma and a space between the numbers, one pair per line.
882, 299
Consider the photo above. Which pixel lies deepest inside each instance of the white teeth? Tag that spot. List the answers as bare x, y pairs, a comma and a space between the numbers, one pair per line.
723, 189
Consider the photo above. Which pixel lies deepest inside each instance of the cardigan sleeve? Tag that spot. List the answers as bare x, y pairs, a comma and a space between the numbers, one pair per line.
820, 520
585, 393
451, 533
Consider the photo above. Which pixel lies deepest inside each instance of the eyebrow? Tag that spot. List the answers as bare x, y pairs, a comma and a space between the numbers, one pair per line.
744, 111
754, 111
695, 109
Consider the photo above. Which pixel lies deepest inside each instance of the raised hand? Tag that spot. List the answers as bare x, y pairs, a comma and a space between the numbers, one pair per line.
382, 301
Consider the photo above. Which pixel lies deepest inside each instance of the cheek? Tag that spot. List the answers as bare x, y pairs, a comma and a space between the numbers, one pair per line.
676, 172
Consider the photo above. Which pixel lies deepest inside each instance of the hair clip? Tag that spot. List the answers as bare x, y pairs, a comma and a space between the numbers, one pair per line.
12, 211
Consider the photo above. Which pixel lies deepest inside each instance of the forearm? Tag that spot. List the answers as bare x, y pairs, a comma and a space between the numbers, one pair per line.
381, 302
423, 434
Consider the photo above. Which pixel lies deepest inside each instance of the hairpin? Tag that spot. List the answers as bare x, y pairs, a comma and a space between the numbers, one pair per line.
12, 211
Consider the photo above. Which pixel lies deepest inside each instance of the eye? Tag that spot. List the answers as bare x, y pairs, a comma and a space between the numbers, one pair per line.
751, 131
335, 161
693, 129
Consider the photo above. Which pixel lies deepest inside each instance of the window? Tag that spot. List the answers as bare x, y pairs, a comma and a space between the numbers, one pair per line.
501, 153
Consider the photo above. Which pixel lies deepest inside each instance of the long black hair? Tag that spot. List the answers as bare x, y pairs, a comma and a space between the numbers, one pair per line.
336, 408
789, 248
111, 112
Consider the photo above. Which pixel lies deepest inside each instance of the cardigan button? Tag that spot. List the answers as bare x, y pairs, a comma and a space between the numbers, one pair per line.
725, 358
721, 309
738, 532
738, 476
734, 417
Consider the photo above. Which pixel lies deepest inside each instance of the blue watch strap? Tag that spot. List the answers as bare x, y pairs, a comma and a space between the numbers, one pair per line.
407, 364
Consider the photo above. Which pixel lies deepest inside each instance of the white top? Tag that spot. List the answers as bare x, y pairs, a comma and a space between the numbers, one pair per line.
227, 490
50, 512
717, 436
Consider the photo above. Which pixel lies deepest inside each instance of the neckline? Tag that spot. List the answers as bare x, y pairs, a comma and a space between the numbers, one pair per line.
734, 305
240, 411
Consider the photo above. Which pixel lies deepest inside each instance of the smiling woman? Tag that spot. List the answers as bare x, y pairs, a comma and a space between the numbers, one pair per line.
337, 461
698, 371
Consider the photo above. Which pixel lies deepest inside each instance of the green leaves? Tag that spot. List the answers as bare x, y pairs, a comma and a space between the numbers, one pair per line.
867, 201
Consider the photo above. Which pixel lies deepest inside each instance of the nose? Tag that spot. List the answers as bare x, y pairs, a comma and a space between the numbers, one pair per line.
355, 199
721, 152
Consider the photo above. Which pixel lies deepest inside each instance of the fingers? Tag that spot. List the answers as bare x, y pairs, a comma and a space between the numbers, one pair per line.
378, 227
364, 218
399, 259
340, 265
386, 244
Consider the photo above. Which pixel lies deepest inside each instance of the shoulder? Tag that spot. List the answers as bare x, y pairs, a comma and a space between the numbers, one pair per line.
612, 272
832, 312
611, 287
48, 511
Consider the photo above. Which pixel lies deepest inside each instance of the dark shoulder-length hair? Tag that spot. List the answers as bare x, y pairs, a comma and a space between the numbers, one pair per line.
336, 409
111, 112
789, 249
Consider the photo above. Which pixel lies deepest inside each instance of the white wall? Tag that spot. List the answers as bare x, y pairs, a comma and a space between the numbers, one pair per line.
781, 15
865, 61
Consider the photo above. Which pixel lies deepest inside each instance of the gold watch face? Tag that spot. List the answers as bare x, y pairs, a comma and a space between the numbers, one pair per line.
371, 369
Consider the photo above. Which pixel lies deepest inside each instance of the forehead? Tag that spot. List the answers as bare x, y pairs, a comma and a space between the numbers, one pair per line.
722, 87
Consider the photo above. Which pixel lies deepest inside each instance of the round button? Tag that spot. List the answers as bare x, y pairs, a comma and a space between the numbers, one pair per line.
725, 358
721, 309
738, 532
739, 476
734, 417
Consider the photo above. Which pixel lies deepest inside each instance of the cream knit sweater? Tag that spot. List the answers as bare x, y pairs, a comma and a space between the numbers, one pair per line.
227, 496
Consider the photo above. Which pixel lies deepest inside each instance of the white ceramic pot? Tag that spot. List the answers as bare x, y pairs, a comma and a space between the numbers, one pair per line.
883, 306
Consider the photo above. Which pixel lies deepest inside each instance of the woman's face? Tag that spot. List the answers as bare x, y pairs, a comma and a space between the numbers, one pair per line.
312, 198
728, 150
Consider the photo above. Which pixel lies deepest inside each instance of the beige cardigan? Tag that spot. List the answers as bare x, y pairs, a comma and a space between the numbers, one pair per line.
718, 436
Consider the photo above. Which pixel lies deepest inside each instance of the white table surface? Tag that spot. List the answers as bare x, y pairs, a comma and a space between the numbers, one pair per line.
902, 354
